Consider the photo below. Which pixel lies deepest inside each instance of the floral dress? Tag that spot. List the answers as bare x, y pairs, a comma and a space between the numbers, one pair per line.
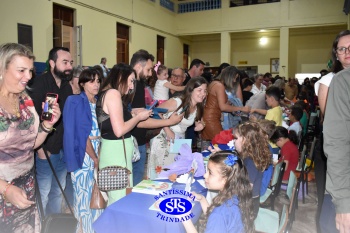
83, 181
160, 146
17, 139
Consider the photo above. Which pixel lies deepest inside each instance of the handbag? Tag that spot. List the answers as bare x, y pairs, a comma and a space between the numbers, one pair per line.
136, 154
97, 200
114, 177
55, 223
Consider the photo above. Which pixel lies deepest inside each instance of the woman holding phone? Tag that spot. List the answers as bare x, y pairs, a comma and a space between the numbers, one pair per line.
191, 103
116, 122
20, 134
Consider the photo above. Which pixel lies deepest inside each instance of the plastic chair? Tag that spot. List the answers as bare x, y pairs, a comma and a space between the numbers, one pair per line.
275, 185
268, 220
293, 199
305, 170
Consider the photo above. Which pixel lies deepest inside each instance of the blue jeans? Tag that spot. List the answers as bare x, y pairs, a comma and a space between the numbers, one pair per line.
138, 168
327, 216
51, 195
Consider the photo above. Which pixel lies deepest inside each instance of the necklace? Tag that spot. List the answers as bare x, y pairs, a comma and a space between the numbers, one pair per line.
14, 104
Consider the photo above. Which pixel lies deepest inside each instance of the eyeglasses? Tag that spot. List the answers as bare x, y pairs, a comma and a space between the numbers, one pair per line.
342, 50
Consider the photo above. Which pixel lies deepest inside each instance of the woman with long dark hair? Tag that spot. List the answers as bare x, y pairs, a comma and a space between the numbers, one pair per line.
115, 121
81, 139
192, 102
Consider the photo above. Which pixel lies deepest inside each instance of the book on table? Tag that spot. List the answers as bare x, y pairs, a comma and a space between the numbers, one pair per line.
153, 187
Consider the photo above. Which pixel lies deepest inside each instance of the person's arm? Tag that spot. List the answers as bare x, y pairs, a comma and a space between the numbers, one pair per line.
173, 87
113, 106
322, 97
91, 152
219, 91
189, 226
260, 111
14, 195
239, 92
151, 123
337, 149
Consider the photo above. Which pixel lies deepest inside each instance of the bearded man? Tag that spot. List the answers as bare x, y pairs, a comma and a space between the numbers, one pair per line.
53, 81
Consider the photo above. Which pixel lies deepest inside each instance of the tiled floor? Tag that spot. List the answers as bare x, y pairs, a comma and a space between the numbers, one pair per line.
305, 215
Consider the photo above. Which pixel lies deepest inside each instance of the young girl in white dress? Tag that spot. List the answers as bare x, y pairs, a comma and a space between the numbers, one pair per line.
161, 89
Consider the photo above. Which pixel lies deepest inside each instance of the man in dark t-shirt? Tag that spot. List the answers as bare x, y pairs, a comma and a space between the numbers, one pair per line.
142, 62
53, 81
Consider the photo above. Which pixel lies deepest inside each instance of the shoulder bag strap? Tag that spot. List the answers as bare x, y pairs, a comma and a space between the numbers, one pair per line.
58, 182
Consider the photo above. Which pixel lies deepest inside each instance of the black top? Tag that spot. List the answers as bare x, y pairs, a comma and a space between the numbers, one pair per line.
188, 77
246, 96
106, 125
139, 102
37, 90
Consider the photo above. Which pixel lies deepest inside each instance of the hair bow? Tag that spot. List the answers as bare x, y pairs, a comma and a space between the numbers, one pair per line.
231, 160
156, 66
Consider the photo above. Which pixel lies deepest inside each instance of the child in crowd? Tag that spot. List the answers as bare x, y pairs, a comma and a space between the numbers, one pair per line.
231, 210
287, 141
305, 118
252, 145
296, 113
161, 89
247, 87
273, 97
269, 128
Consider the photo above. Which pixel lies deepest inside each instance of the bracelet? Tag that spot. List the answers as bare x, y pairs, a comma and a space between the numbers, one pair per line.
45, 129
5, 190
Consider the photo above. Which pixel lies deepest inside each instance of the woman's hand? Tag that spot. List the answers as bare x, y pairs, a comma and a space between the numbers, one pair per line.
199, 125
56, 114
198, 196
18, 197
245, 109
170, 135
143, 114
135, 111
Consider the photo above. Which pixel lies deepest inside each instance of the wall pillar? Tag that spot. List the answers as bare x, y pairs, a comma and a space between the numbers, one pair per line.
225, 55
284, 52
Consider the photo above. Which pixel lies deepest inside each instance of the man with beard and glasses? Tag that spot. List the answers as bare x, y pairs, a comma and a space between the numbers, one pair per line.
53, 81
142, 62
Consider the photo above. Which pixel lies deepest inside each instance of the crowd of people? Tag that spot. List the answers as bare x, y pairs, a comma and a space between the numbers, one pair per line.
103, 109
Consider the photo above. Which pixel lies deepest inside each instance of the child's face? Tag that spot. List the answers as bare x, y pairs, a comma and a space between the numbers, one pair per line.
163, 75
238, 142
269, 100
213, 178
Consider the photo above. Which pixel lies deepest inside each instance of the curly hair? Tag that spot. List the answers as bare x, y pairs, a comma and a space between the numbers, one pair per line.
237, 184
255, 144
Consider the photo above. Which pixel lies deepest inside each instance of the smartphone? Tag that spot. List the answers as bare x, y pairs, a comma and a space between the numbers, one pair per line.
51, 98
183, 109
155, 102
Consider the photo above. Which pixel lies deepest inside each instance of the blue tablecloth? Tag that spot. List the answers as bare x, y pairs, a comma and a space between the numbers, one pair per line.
131, 214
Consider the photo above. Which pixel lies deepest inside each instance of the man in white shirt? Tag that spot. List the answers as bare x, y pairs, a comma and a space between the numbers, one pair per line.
104, 66
258, 86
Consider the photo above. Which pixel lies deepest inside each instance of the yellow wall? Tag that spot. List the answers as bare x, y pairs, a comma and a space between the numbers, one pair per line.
297, 13
148, 19
98, 20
